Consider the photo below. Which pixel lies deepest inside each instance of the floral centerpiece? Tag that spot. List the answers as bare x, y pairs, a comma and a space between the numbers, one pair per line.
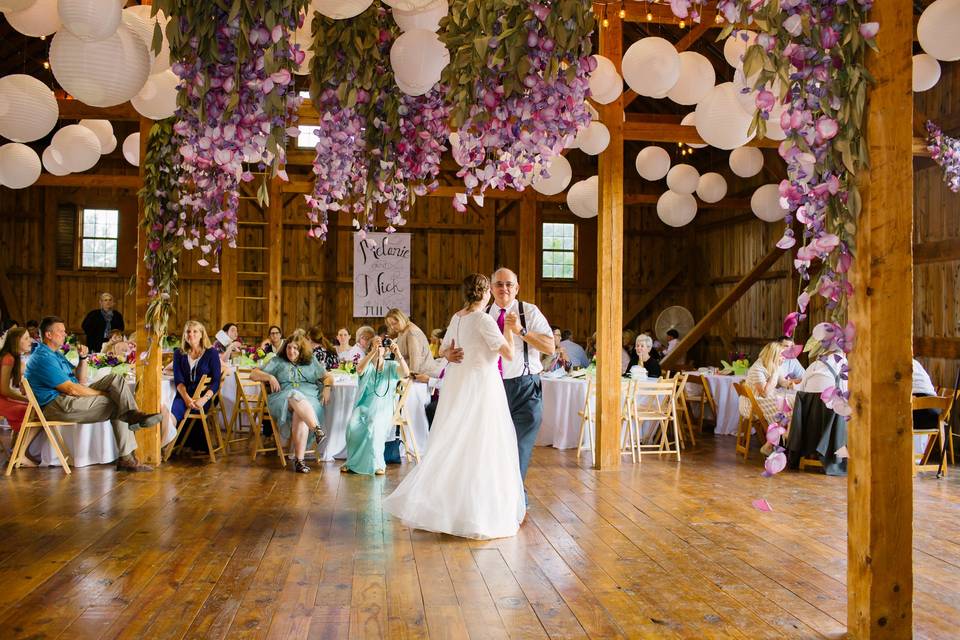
70, 351
251, 356
349, 366
739, 365
170, 342
945, 151
117, 365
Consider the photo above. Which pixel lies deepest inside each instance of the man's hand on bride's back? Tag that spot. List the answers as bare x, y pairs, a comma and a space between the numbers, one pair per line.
454, 353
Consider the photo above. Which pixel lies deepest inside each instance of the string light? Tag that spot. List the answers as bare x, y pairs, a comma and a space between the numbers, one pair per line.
623, 14
682, 24
606, 22
46, 65
649, 16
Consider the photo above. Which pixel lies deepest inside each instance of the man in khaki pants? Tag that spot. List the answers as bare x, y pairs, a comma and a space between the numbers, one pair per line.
60, 392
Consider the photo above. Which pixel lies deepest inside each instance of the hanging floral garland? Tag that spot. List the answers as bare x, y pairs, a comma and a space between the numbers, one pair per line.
945, 151
236, 106
518, 81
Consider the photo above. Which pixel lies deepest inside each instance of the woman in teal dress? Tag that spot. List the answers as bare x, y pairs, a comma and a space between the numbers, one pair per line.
372, 417
296, 401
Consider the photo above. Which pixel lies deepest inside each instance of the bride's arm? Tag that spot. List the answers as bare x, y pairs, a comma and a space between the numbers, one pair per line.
506, 349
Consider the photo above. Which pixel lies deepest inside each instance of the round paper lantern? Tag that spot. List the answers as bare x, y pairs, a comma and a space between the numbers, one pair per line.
582, 198
696, 79
418, 58
37, 20
560, 174
340, 9
676, 209
926, 72
52, 162
765, 203
720, 120
427, 18
158, 97
774, 130
103, 73
690, 120
746, 162
683, 178
651, 66
736, 45
91, 19
938, 30
304, 37
15, 5
109, 146
19, 165
408, 5
606, 85
594, 138
78, 147
102, 129
30, 109
131, 149
653, 163
712, 187
145, 26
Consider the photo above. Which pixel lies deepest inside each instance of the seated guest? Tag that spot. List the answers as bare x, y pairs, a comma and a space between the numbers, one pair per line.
372, 418
436, 337
194, 359
414, 346
296, 402
98, 324
321, 348
791, 371
628, 356
33, 328
13, 404
591, 345
825, 368
273, 341
923, 386
363, 337
62, 395
762, 379
228, 342
578, 357
115, 336
558, 359
343, 342
672, 343
645, 356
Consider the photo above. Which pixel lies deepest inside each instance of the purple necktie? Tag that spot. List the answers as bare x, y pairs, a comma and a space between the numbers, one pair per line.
500, 319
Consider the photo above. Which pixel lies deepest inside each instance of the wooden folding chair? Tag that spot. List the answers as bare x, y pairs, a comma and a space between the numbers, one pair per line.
657, 402
261, 417
747, 424
243, 409
33, 423
629, 427
704, 397
683, 412
190, 422
400, 420
948, 418
588, 435
937, 435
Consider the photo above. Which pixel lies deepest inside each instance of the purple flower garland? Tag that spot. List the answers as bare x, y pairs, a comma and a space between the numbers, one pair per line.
945, 151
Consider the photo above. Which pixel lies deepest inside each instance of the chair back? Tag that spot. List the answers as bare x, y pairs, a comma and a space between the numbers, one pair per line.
400, 402
743, 390
655, 400
941, 403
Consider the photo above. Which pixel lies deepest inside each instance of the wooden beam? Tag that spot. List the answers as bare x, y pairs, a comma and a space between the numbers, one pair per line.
91, 180
660, 14
274, 252
9, 298
936, 347
650, 295
880, 480
610, 264
937, 251
635, 129
51, 216
229, 284
529, 232
488, 223
75, 110
712, 316
693, 35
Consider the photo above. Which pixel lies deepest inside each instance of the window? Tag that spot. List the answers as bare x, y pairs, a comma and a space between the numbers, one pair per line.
308, 138
98, 245
558, 250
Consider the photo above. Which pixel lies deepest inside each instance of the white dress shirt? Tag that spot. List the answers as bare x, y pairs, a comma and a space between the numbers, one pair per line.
535, 322
922, 385
791, 368
578, 357
819, 376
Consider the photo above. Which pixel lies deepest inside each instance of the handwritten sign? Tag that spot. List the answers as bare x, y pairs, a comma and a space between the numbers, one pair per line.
381, 274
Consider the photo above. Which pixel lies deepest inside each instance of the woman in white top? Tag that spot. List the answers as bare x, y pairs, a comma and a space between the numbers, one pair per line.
762, 378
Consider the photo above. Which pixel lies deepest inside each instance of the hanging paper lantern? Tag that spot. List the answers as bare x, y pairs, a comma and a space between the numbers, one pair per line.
91, 20
582, 197
690, 120
720, 120
594, 138
53, 162
144, 26
418, 58
606, 85
15, 5
78, 147
407, 5
341, 9
765, 203
304, 37
712, 187
736, 45
30, 109
676, 209
158, 97
653, 163
39, 19
103, 129
683, 178
427, 18
651, 66
746, 162
19, 165
109, 146
938, 30
926, 72
774, 130
696, 79
560, 175
131, 149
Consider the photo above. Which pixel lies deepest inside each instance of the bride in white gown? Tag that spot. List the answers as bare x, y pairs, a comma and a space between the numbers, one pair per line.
468, 484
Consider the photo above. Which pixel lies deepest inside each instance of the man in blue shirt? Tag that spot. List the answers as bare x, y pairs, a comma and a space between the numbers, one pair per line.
60, 392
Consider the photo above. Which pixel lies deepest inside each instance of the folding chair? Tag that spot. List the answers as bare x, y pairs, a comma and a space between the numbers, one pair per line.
704, 397
948, 418
587, 424
243, 409
629, 427
683, 411
261, 417
190, 421
400, 420
34, 422
657, 402
747, 424
937, 435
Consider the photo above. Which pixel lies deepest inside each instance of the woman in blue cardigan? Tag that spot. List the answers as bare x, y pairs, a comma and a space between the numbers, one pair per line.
195, 359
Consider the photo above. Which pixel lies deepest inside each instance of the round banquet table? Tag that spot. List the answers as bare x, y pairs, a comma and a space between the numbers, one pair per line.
727, 400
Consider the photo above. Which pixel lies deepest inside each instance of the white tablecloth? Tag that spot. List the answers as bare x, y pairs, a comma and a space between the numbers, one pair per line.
727, 400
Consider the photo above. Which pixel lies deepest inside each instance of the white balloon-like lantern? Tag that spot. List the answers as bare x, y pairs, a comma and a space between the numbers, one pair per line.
690, 120
676, 209
304, 37
19, 165
418, 57
582, 197
131, 149
91, 20
407, 5
109, 146
938, 30
15, 5
765, 203
52, 162
103, 129
746, 162
39, 19
721, 122
340, 9
159, 61
606, 85
736, 45
426, 18
653, 162
30, 109
651, 66
593, 138
683, 178
696, 79
78, 147
926, 72
560, 174
158, 97
712, 187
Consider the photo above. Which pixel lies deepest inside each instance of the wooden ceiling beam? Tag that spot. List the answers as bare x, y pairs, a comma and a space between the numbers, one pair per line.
693, 35
90, 180
75, 110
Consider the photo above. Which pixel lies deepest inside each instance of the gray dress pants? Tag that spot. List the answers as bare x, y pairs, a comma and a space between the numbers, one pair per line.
118, 402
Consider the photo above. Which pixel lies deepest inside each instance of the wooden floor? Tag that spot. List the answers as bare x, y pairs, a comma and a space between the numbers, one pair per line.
665, 550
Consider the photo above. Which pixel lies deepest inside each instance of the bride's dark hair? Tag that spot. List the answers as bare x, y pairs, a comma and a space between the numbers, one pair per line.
474, 286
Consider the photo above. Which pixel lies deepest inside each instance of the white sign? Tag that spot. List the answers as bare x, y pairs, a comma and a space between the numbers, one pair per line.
381, 274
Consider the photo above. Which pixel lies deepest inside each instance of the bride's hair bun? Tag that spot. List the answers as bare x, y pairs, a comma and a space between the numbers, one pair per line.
474, 286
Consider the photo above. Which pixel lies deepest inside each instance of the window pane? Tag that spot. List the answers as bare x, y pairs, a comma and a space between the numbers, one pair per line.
308, 138
568, 243
110, 255
568, 271
547, 271
568, 259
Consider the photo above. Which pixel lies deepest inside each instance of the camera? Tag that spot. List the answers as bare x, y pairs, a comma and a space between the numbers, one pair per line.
387, 342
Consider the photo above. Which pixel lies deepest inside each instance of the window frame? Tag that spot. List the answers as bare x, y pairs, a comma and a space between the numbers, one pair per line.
79, 259
572, 252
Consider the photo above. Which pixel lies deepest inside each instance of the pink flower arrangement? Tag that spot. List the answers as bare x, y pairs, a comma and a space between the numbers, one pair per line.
945, 151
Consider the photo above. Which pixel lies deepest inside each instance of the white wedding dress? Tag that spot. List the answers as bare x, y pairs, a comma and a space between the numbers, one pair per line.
468, 484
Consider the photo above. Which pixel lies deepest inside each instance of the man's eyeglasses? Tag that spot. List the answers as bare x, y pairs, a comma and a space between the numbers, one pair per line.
505, 285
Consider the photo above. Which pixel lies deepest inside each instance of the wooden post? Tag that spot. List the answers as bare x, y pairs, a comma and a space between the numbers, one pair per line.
51, 220
610, 263
274, 253
488, 241
528, 231
880, 483
149, 377
228, 287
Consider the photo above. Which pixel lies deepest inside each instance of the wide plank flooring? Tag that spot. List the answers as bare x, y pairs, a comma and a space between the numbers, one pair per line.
243, 550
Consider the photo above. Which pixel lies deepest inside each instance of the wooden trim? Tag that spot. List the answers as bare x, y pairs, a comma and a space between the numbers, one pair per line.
770, 275
651, 294
274, 242
529, 237
71, 109
694, 34
90, 180
637, 129
51, 220
936, 347
937, 251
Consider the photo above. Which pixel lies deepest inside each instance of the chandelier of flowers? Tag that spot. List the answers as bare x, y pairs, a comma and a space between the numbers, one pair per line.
945, 151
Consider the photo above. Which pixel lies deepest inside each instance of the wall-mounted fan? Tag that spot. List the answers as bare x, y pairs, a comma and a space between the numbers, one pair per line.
675, 317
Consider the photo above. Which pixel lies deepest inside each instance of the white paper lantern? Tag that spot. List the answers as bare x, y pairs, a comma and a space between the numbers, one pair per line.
145, 26
304, 37
736, 45
746, 162
427, 18
938, 30
606, 85
103, 73
78, 147
653, 163
560, 174
774, 130
676, 209
690, 120
103, 129
696, 79
765, 203
91, 20
712, 187
19, 165
109, 146
37, 20
594, 138
418, 58
158, 97
53, 162
340, 9
651, 66
582, 197
408, 5
720, 120
926, 72
131, 149
15, 5
30, 109
683, 178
